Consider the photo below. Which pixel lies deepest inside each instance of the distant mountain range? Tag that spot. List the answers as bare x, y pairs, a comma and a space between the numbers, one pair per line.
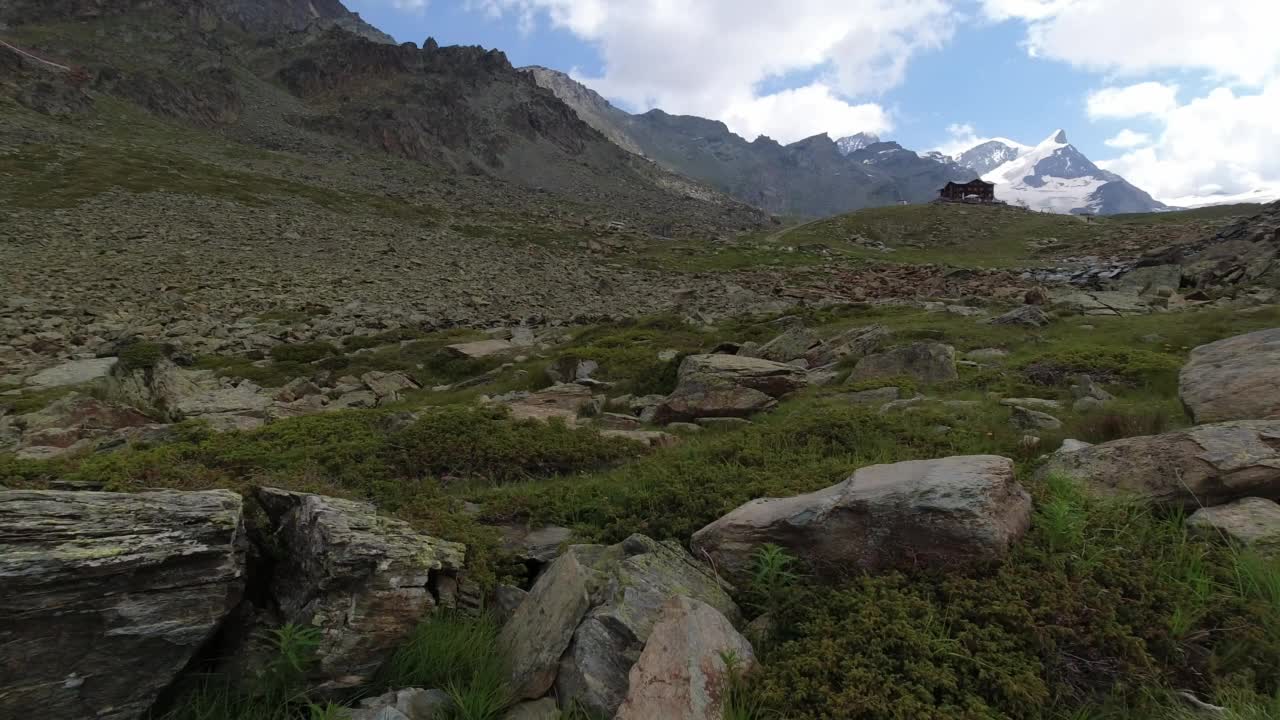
819, 176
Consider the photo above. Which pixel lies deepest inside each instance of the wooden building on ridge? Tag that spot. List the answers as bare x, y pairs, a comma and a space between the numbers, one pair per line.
976, 190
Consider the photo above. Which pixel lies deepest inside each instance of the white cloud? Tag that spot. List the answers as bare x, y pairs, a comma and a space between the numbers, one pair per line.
1148, 98
803, 112
1126, 139
1230, 39
416, 6
963, 136
711, 57
1220, 144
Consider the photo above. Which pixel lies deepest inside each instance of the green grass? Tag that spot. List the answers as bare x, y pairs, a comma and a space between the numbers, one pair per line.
460, 655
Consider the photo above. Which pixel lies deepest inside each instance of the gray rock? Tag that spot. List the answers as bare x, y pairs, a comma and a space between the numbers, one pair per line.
792, 344
540, 544
570, 369
1027, 419
682, 671
408, 704
1233, 379
849, 345
986, 354
1152, 280
1026, 316
72, 372
108, 596
1108, 303
925, 512
1200, 466
364, 580
1088, 394
643, 574
1253, 522
479, 349
544, 709
924, 362
1032, 403
1070, 446
506, 598
387, 386
543, 625
181, 393
727, 386
721, 423
878, 396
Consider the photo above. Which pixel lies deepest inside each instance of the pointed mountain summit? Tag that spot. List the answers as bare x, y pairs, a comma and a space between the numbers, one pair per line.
857, 141
1056, 177
988, 156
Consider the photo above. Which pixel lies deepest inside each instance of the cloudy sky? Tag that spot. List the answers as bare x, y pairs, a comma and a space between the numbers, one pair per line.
1182, 97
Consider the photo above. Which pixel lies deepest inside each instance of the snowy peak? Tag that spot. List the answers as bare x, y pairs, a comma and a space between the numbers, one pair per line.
856, 142
1056, 177
989, 155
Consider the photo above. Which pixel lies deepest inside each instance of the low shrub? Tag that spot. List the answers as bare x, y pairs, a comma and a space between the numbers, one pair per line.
303, 352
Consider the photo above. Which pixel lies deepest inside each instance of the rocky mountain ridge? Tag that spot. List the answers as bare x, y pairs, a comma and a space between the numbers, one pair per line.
812, 177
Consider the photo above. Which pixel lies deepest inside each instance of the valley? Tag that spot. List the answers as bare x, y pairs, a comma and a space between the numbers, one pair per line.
342, 379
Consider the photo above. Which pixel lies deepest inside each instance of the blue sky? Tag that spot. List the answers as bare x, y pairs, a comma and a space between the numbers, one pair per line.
1125, 78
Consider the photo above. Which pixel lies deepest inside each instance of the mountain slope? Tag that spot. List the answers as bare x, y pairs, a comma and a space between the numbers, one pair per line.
813, 177
1054, 176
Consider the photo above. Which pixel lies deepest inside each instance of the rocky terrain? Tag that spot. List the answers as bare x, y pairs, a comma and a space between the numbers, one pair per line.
316, 405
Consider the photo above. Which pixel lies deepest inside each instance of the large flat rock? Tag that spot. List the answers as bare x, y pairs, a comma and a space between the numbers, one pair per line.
105, 597
1233, 379
72, 372
942, 512
1200, 466
728, 386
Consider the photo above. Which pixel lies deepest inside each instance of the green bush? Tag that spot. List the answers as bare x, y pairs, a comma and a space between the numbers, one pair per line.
303, 352
1101, 607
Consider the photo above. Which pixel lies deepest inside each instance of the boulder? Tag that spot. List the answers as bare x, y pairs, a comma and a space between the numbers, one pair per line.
541, 544
1026, 316
387, 386
682, 672
1233, 379
1152, 280
642, 575
940, 512
924, 362
848, 345
71, 425
571, 369
1204, 465
727, 386
794, 343
544, 709
107, 596
363, 580
1088, 394
542, 627
1111, 303
180, 393
479, 349
587, 617
1253, 522
408, 704
72, 372
565, 402
1023, 418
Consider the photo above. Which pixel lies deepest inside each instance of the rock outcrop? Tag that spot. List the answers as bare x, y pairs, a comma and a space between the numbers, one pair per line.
107, 596
728, 386
682, 671
941, 512
924, 362
364, 580
1205, 465
1233, 379
590, 614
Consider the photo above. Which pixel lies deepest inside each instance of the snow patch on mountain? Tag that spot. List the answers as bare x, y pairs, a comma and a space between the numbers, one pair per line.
989, 155
854, 143
1056, 177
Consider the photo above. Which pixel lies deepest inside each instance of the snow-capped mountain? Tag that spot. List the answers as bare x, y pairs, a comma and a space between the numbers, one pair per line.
1056, 177
854, 143
990, 155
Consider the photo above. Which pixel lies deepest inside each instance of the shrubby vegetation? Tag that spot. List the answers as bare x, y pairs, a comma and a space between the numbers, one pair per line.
1103, 611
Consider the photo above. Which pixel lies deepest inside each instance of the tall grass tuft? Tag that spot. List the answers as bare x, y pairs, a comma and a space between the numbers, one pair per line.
459, 654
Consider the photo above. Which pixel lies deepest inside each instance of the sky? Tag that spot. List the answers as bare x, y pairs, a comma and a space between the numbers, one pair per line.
1181, 97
